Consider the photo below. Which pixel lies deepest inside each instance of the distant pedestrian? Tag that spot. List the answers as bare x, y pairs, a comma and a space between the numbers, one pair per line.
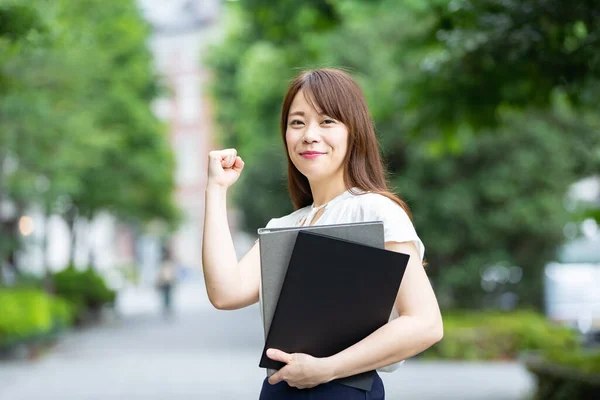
165, 281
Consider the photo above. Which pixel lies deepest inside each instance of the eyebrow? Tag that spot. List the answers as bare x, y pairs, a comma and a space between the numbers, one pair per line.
302, 114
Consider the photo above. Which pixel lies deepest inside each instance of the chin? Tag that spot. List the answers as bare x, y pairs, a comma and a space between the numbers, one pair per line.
315, 173
310, 174
315, 176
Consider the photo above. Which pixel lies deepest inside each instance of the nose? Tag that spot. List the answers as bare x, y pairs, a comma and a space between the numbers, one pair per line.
311, 134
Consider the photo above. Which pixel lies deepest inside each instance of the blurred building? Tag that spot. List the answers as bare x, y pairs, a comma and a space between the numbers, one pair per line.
181, 31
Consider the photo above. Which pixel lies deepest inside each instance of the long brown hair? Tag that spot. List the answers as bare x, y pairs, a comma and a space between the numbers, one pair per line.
334, 93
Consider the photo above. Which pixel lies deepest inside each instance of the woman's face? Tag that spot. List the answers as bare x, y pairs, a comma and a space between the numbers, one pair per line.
316, 143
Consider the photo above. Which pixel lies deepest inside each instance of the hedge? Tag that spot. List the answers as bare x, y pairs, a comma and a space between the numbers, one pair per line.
498, 335
566, 375
85, 290
29, 315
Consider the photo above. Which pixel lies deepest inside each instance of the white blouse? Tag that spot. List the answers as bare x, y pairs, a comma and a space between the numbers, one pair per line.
357, 206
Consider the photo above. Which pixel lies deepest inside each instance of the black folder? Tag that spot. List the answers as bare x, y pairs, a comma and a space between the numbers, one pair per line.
335, 293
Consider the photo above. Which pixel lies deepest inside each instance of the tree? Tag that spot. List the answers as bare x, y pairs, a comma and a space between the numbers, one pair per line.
41, 140
134, 178
78, 136
499, 203
485, 55
485, 177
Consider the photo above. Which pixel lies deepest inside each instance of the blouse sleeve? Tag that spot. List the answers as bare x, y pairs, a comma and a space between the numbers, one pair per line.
397, 225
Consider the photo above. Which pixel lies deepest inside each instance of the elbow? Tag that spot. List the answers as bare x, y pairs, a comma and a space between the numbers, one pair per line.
436, 331
224, 304
219, 304
218, 298
224, 300
216, 301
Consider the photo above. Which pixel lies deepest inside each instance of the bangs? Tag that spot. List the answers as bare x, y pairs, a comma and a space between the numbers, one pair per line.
329, 94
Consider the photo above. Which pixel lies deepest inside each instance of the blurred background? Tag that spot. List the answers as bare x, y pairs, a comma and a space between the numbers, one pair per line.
488, 117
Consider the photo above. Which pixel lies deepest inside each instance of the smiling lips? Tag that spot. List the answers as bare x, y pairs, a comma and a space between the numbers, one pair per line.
311, 154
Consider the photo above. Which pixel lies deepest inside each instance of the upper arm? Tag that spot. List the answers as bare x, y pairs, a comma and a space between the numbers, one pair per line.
415, 296
249, 269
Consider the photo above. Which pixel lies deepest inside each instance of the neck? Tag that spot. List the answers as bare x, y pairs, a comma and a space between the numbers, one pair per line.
326, 190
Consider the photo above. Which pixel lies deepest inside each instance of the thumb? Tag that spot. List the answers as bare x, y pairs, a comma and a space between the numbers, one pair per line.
238, 164
279, 355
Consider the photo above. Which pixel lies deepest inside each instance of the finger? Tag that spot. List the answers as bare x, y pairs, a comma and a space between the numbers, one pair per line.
227, 161
276, 377
215, 157
279, 355
238, 164
230, 154
219, 157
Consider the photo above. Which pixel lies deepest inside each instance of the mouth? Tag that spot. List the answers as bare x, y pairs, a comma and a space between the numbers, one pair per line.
311, 154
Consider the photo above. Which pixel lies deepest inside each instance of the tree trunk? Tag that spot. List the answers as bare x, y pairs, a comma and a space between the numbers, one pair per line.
89, 240
10, 238
85, 238
71, 218
48, 281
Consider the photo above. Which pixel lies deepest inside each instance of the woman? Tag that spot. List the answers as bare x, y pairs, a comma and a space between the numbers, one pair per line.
335, 175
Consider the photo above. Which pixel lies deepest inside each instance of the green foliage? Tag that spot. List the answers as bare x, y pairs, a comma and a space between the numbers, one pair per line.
85, 289
63, 313
134, 176
17, 20
495, 202
484, 111
311, 15
269, 183
487, 54
29, 314
499, 336
565, 375
587, 362
77, 134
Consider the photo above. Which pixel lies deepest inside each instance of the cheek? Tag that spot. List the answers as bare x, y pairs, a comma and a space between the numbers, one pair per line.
290, 140
340, 141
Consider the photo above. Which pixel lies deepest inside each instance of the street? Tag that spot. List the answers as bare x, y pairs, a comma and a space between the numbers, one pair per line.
203, 353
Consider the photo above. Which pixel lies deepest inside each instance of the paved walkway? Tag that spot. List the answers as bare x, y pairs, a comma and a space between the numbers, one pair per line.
202, 353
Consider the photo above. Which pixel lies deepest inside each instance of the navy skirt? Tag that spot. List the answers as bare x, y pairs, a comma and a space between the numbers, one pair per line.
326, 391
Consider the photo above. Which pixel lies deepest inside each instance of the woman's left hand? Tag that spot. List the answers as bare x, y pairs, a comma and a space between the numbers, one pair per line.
302, 371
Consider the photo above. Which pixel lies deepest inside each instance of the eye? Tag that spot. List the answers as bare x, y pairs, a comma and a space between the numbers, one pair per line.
328, 121
296, 122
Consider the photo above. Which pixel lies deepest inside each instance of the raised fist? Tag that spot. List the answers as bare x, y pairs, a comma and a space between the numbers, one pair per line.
224, 167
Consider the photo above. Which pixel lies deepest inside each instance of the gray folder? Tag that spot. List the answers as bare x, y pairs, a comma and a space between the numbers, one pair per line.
276, 245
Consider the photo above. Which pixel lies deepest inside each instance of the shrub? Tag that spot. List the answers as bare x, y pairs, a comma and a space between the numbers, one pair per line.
29, 315
85, 290
498, 335
566, 375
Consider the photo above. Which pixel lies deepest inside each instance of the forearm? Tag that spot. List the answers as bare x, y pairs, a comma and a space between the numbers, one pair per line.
397, 340
219, 260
